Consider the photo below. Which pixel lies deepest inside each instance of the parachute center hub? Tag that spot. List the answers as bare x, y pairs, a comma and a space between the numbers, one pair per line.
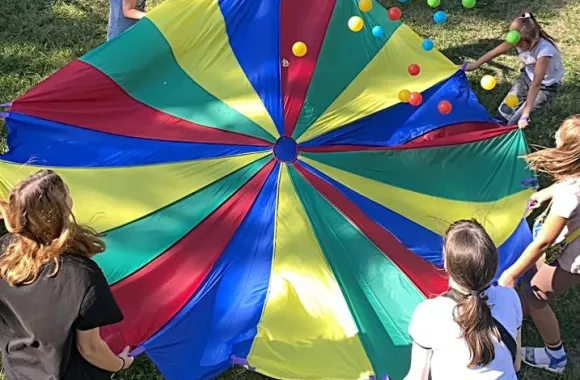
286, 149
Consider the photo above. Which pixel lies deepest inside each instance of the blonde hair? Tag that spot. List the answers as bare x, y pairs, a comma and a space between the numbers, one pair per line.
42, 228
563, 161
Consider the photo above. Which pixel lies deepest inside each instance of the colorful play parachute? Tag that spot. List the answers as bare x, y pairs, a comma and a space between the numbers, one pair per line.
265, 202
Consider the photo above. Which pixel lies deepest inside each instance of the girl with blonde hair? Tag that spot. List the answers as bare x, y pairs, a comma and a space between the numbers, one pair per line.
547, 277
53, 297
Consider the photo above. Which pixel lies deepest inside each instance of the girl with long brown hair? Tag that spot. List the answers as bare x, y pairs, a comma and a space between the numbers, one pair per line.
53, 297
544, 281
472, 331
540, 79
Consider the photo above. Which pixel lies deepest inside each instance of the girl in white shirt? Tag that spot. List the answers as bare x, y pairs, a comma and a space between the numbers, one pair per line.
471, 332
540, 79
544, 282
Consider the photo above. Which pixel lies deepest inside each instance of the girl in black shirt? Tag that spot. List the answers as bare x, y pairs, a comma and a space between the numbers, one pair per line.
53, 297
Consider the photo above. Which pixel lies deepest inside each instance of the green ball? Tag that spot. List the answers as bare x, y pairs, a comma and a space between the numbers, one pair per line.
433, 3
468, 3
513, 37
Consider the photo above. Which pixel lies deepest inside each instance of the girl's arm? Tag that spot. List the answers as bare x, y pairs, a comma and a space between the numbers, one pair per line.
550, 231
539, 74
501, 49
539, 197
420, 363
96, 351
130, 10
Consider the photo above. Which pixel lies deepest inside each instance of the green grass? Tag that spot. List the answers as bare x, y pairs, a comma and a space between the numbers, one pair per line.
37, 37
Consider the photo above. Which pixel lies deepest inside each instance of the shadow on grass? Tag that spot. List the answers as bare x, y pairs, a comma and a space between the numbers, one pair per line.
472, 51
54, 24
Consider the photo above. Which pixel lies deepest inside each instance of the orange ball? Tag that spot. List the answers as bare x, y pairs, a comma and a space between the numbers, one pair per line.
444, 107
415, 99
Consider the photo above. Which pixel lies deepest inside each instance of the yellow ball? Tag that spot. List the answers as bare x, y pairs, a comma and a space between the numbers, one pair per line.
365, 5
299, 49
404, 95
488, 82
511, 101
356, 24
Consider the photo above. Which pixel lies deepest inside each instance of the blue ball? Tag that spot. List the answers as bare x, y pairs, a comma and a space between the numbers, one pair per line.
428, 44
402, 1
440, 17
378, 31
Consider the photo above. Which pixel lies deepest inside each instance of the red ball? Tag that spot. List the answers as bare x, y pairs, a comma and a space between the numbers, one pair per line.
415, 99
444, 107
395, 13
414, 69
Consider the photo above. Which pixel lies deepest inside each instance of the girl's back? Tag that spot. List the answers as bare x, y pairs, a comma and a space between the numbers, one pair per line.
472, 331
433, 327
38, 320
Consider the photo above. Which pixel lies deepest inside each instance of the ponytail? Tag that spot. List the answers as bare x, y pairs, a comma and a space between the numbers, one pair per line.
541, 30
473, 315
535, 28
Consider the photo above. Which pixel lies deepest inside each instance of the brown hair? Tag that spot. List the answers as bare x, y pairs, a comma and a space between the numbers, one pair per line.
471, 261
38, 217
530, 29
563, 161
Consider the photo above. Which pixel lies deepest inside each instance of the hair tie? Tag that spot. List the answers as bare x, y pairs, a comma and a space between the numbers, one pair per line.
478, 293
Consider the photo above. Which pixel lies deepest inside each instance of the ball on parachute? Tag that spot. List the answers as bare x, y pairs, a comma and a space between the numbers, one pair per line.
444, 107
434, 3
414, 69
395, 13
511, 101
378, 31
488, 82
415, 99
299, 49
428, 44
365, 5
513, 37
355, 23
440, 17
468, 3
404, 95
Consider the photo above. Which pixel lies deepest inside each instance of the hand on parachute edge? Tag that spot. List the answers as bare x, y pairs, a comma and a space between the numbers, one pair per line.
507, 279
466, 66
539, 198
127, 359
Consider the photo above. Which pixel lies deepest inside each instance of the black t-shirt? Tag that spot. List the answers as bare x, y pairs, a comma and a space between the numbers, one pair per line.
38, 322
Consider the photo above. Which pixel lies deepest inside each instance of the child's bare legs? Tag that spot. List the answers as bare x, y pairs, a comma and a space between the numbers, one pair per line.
549, 282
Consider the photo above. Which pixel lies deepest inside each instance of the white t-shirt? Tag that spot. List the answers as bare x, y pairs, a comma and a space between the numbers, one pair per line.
433, 327
543, 48
565, 203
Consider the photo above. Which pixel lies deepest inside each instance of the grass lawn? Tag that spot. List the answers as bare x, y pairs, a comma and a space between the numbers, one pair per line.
37, 37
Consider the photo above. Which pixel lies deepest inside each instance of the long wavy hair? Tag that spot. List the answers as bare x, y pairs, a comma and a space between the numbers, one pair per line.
563, 161
42, 228
471, 260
